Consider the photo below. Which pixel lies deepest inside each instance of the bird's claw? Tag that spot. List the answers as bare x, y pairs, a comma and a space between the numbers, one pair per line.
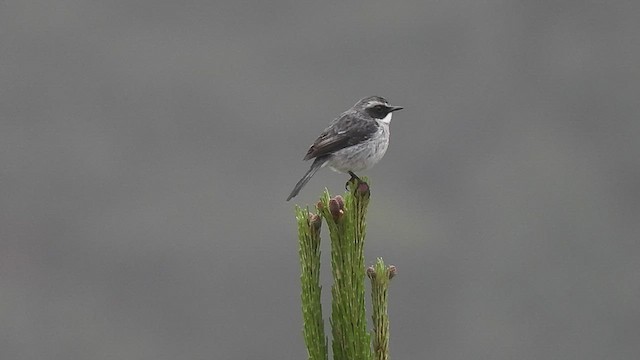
354, 178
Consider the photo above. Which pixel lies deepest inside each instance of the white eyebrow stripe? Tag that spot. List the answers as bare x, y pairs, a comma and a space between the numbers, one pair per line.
374, 103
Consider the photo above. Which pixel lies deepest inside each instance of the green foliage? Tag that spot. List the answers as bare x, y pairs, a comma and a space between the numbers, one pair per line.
346, 220
309, 251
380, 276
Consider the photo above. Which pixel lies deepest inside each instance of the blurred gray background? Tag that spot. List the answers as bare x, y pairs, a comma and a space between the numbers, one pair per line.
147, 147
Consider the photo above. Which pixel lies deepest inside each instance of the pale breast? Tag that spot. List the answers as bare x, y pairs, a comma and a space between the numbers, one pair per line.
362, 156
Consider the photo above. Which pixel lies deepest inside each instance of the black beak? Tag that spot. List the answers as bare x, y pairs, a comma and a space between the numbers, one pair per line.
395, 108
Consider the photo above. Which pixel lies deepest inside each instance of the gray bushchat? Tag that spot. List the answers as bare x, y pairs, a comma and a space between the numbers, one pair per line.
354, 141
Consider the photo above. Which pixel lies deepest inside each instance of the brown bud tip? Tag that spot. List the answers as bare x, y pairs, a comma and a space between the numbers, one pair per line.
315, 221
319, 206
340, 201
363, 187
334, 206
334, 209
392, 271
371, 272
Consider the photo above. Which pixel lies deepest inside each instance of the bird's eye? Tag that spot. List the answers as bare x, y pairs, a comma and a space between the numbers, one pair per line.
378, 111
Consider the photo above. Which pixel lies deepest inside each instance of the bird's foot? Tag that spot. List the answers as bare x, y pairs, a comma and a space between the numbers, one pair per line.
354, 179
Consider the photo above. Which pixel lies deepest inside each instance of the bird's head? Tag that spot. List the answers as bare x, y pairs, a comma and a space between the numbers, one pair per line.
376, 107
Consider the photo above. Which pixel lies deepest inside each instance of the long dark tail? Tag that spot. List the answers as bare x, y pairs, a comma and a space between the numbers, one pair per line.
317, 164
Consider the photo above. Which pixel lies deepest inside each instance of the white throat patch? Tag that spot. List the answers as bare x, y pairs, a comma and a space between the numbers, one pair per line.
387, 119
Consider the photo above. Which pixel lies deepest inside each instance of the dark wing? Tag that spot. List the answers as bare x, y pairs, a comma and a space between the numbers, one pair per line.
347, 130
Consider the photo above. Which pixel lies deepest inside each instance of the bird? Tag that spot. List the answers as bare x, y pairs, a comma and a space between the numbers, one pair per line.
354, 141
